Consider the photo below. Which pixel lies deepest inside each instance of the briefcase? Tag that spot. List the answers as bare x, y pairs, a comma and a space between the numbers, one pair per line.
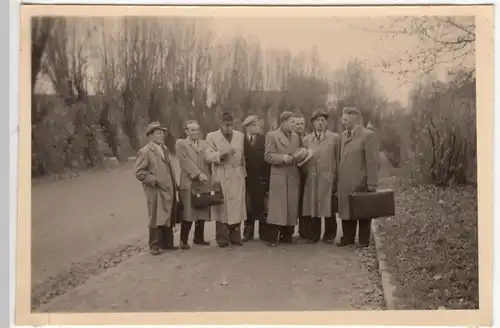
206, 195
372, 205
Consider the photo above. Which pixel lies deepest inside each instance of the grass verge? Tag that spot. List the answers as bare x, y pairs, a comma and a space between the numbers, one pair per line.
432, 246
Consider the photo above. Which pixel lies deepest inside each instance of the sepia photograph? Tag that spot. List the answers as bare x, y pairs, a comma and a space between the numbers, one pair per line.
245, 163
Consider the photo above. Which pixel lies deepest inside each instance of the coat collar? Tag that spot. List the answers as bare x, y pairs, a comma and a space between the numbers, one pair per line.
283, 138
194, 145
320, 137
354, 134
157, 149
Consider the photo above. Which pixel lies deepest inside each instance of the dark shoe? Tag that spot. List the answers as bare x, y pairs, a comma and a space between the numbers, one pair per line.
328, 241
201, 243
237, 243
363, 245
222, 245
247, 238
311, 241
185, 245
171, 248
343, 243
155, 251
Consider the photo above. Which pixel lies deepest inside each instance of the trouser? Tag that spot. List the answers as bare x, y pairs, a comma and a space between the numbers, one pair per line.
227, 233
161, 238
249, 226
349, 231
313, 229
199, 231
302, 227
279, 233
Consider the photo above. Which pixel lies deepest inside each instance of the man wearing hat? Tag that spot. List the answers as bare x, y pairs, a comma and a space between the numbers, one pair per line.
257, 179
153, 168
321, 179
358, 171
229, 170
283, 152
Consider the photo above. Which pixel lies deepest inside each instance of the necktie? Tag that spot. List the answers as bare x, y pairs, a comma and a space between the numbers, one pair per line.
349, 132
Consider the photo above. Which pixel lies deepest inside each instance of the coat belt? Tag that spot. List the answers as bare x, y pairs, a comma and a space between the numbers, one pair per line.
234, 166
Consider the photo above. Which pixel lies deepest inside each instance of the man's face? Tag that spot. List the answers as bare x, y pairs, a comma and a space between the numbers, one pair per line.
193, 131
348, 121
254, 128
300, 124
227, 127
289, 125
319, 124
157, 136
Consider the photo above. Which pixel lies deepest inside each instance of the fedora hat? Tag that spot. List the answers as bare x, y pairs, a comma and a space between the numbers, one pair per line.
310, 154
319, 113
154, 126
226, 117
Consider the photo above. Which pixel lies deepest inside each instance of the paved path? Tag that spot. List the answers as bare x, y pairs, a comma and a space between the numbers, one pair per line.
79, 218
250, 277
82, 218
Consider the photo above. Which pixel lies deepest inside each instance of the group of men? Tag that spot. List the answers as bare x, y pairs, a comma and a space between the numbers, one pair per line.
277, 180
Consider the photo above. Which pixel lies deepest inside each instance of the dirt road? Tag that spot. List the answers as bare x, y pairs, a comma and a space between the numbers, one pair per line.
82, 223
250, 277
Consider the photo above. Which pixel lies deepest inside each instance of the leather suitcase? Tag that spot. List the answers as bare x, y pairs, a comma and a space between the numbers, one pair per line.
204, 196
372, 205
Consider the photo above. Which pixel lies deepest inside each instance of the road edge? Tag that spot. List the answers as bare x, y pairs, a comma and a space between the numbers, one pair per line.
388, 287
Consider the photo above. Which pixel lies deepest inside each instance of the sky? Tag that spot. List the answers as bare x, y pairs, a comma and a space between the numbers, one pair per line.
337, 39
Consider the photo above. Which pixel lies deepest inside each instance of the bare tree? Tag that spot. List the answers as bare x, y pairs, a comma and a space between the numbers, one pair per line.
441, 40
41, 30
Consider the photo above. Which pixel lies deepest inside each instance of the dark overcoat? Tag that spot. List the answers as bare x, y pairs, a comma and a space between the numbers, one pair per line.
358, 168
258, 170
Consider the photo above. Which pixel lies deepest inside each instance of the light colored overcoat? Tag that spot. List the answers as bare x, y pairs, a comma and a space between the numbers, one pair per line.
194, 159
153, 168
284, 179
321, 174
358, 168
231, 175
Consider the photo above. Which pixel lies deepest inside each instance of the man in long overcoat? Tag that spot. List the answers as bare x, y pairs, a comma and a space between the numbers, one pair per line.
257, 179
300, 127
281, 144
321, 179
358, 171
229, 170
195, 159
153, 168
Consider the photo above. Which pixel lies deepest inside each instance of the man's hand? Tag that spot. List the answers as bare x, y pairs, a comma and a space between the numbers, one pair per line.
371, 189
287, 159
232, 151
203, 178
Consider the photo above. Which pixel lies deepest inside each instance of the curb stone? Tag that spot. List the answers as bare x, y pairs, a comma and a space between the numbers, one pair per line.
386, 278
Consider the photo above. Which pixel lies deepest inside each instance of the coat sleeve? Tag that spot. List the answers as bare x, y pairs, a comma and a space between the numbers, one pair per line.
336, 160
142, 172
271, 154
185, 162
372, 159
214, 154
